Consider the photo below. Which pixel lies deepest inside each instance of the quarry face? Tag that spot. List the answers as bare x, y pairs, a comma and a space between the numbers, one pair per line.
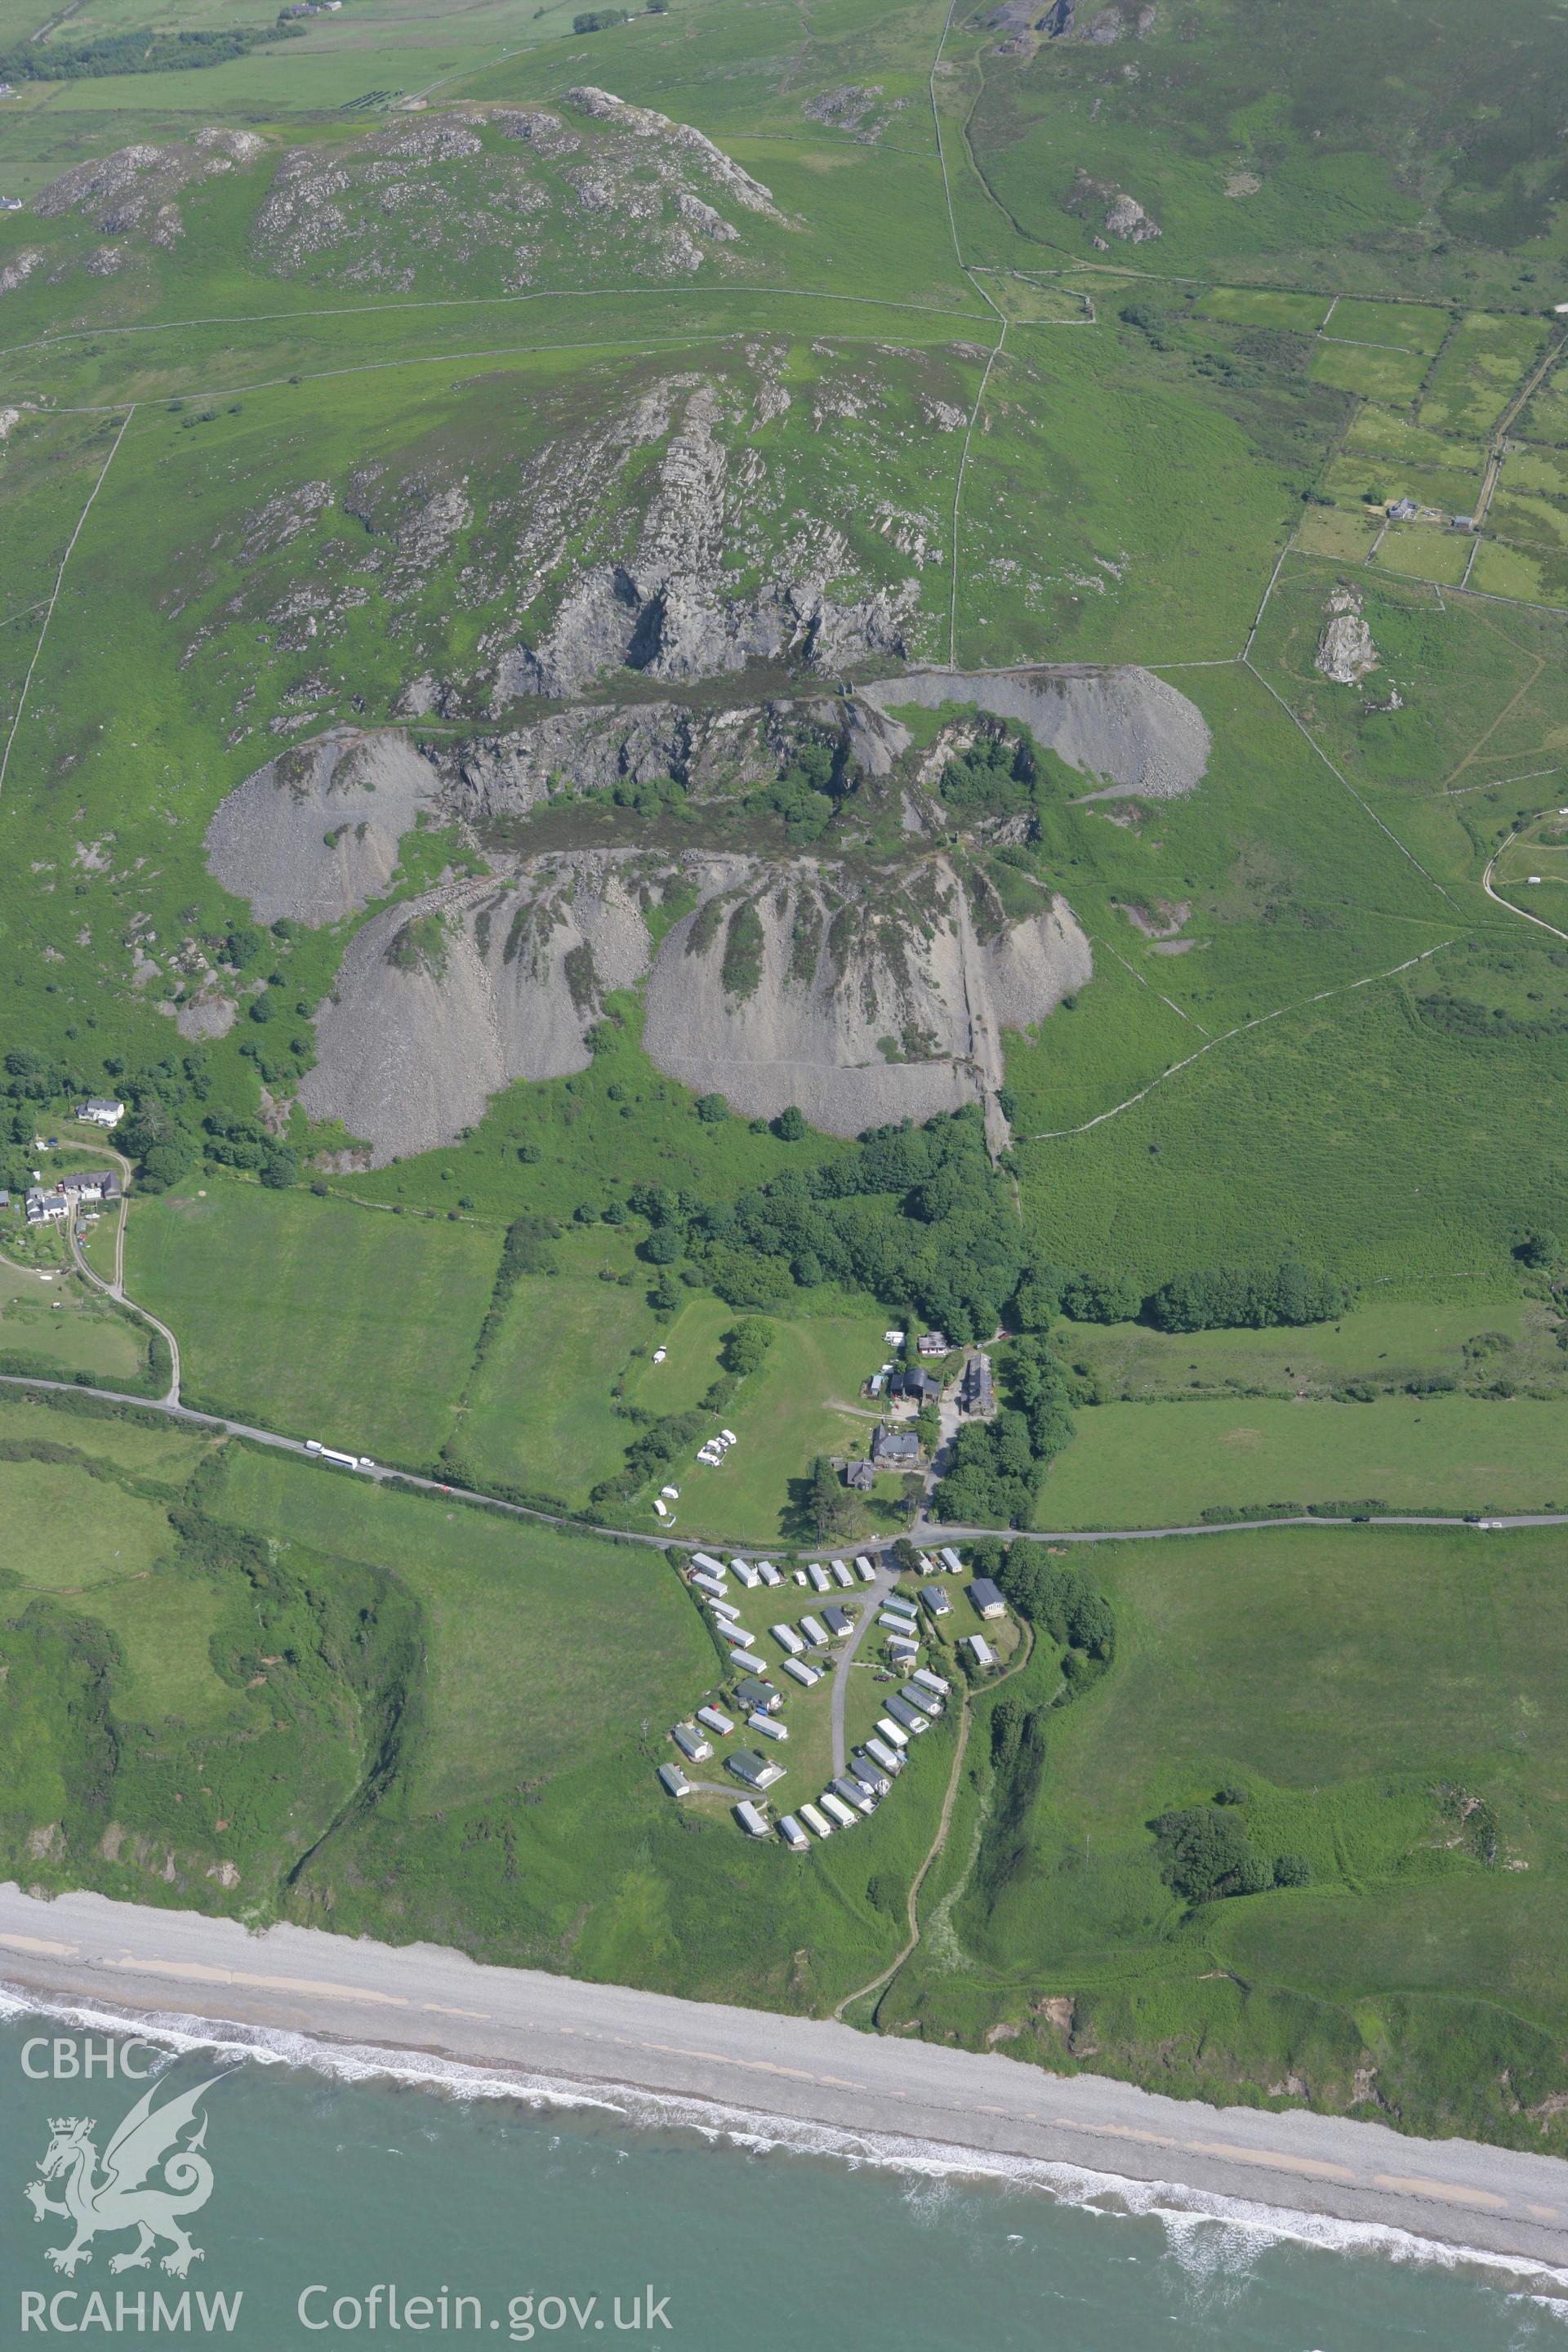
865, 991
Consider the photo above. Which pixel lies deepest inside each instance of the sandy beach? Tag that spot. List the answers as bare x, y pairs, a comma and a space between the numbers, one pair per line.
553, 2029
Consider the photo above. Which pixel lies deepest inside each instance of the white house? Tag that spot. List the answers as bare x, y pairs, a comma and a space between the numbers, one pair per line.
99, 1112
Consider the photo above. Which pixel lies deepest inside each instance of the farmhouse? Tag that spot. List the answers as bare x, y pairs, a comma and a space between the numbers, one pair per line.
48, 1208
861, 1475
977, 1394
100, 1112
932, 1343
899, 1448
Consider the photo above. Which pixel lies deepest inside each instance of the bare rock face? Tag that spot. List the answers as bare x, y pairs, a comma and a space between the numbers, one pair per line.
443, 1001
1134, 733
666, 610
1127, 219
314, 834
1346, 653
133, 193
790, 982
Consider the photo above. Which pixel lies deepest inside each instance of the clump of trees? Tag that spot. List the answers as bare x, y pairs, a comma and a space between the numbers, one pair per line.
994, 1466
134, 53
1240, 1297
1206, 1854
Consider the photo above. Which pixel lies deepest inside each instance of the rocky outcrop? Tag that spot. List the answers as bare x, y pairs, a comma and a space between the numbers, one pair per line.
667, 609
1126, 218
1346, 653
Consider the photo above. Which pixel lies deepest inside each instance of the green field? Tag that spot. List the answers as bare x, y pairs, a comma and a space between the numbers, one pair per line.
54, 1320
1158, 1465
537, 1640
1340, 1682
315, 1317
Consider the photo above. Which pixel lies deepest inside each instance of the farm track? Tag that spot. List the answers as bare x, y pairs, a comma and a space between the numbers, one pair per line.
965, 1717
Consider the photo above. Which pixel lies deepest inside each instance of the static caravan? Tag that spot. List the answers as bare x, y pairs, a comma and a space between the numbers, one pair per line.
927, 1701
820, 1580
746, 1662
768, 1572
980, 1650
936, 1600
729, 1437
787, 1639
725, 1608
737, 1634
745, 1573
834, 1805
928, 1681
801, 1672
710, 1585
900, 1607
750, 1692
715, 1720
841, 1575
892, 1625
816, 1821
880, 1753
892, 1733
794, 1836
692, 1744
816, 1632
855, 1793
674, 1781
869, 1773
706, 1561
662, 1509
751, 1821
864, 1569
950, 1561
754, 1769
910, 1717
772, 1726
840, 1624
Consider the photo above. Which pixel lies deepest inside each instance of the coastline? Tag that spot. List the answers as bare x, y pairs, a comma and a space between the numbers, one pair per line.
423, 2014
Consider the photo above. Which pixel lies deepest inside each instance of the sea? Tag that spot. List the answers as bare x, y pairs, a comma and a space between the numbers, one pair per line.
296, 2193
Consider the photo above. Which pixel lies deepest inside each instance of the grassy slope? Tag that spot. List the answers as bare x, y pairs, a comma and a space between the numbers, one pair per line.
1156, 1465
315, 1317
1343, 1679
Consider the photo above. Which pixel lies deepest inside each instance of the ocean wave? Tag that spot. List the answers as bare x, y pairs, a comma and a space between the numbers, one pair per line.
1208, 2234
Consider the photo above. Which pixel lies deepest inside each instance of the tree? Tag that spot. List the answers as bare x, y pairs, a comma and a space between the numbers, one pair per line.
789, 1124
745, 1346
829, 1506
661, 1247
1203, 1851
1292, 1869
906, 1555
1539, 1250
712, 1109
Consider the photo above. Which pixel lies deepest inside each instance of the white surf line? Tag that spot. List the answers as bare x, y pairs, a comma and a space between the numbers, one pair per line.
49, 610
1259, 1020
1350, 788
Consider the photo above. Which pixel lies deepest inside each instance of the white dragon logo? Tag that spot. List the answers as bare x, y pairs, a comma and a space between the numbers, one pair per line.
122, 2197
